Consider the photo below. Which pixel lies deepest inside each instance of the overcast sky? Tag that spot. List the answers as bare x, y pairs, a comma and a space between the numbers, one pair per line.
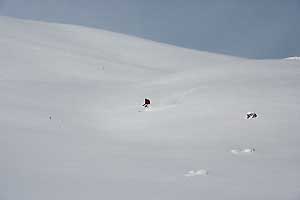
247, 28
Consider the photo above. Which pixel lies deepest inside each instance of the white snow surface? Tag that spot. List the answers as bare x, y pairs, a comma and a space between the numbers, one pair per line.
293, 58
71, 127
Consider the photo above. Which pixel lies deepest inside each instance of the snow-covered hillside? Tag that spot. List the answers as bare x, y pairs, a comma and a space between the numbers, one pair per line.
72, 124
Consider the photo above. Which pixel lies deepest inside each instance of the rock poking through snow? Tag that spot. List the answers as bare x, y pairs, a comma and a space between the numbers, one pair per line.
251, 115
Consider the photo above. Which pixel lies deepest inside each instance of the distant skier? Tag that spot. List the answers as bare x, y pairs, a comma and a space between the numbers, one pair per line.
147, 103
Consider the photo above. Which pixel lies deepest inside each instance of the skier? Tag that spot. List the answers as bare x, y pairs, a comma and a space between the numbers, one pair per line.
147, 102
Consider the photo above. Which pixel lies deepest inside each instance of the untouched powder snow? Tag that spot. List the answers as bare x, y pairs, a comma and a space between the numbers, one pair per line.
72, 124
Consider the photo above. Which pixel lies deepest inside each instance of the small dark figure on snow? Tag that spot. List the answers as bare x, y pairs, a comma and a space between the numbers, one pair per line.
147, 102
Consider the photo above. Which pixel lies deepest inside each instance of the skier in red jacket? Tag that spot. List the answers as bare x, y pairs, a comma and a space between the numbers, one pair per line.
147, 102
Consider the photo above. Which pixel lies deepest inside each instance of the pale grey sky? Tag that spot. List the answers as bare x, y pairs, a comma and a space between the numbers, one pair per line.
247, 28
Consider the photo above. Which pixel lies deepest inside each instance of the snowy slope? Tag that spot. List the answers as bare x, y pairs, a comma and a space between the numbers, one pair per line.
193, 143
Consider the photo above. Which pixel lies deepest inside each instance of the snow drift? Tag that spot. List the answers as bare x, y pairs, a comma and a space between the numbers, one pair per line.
71, 126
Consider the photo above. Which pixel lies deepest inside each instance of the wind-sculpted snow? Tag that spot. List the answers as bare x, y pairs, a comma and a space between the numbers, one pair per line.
73, 126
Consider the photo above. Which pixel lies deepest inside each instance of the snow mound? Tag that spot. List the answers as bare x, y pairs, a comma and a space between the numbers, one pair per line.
242, 151
200, 172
